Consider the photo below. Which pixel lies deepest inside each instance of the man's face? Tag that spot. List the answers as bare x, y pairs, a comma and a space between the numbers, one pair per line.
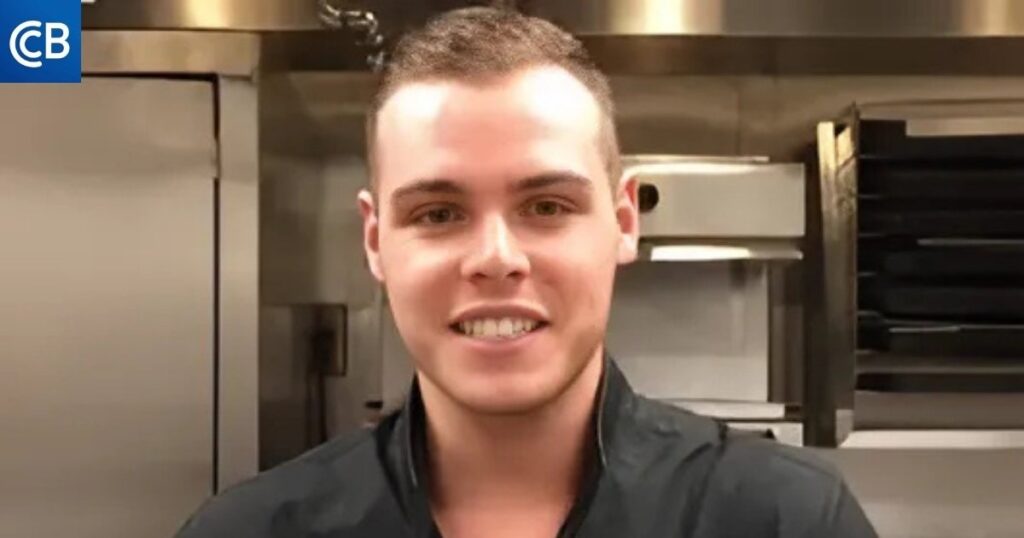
496, 233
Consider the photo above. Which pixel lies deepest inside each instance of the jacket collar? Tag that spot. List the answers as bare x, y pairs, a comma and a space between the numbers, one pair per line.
406, 447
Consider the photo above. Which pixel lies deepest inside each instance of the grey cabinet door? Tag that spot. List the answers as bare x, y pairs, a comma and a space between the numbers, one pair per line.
106, 306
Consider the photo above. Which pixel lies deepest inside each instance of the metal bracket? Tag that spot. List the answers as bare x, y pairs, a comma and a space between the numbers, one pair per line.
363, 23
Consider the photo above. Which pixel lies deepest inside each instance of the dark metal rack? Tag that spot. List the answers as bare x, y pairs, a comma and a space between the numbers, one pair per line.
920, 268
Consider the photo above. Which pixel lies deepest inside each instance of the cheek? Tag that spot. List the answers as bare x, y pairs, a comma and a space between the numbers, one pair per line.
580, 269
413, 271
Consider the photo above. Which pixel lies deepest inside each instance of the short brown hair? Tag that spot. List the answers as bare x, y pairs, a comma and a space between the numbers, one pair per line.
478, 43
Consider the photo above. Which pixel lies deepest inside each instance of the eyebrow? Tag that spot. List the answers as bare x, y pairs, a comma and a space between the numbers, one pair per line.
447, 186
549, 179
426, 186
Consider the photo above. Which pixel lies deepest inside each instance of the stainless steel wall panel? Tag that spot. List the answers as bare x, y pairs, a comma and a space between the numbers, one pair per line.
311, 232
285, 356
677, 115
696, 331
313, 166
106, 306
779, 114
238, 282
180, 52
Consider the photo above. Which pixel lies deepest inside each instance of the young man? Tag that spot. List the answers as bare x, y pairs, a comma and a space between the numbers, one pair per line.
495, 221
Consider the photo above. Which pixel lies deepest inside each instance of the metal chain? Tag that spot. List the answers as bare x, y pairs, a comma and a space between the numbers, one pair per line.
364, 23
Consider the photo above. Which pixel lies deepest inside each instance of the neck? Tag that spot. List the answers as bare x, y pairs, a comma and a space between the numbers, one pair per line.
534, 458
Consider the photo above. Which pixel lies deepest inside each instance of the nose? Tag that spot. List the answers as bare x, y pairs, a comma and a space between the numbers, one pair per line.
495, 253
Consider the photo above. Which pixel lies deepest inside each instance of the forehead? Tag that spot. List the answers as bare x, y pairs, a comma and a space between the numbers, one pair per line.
530, 122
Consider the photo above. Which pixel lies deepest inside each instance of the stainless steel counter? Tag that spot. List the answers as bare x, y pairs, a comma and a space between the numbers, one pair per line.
917, 493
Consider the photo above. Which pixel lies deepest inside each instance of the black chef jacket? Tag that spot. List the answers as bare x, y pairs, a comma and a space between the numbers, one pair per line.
657, 471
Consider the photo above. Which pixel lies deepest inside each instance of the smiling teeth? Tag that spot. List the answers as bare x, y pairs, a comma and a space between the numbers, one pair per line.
497, 327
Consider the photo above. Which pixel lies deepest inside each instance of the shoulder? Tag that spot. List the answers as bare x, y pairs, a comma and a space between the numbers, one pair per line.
750, 486
739, 457
763, 467
281, 500
788, 489
664, 423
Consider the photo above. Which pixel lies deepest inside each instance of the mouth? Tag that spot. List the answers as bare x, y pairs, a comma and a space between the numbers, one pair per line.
505, 328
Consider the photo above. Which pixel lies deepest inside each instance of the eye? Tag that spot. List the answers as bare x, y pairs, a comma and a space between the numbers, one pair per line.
439, 215
546, 208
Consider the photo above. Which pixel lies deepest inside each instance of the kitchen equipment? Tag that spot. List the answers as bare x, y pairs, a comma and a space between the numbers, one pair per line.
920, 265
691, 322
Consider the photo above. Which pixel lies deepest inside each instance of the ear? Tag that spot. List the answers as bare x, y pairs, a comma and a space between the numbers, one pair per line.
371, 233
627, 214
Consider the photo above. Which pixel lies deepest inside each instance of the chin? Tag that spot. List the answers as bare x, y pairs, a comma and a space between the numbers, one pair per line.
520, 382
502, 402
509, 392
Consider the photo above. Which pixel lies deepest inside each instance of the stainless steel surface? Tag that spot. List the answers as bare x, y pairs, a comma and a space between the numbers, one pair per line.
832, 18
238, 281
780, 114
692, 331
935, 493
139, 52
786, 355
709, 55
992, 411
237, 34
286, 350
106, 306
965, 127
713, 199
348, 395
244, 15
678, 115
777, 115
706, 210
312, 167
353, 17
945, 439
803, 56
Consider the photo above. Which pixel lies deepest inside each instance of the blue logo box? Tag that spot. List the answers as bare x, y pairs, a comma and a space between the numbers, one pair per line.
40, 41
